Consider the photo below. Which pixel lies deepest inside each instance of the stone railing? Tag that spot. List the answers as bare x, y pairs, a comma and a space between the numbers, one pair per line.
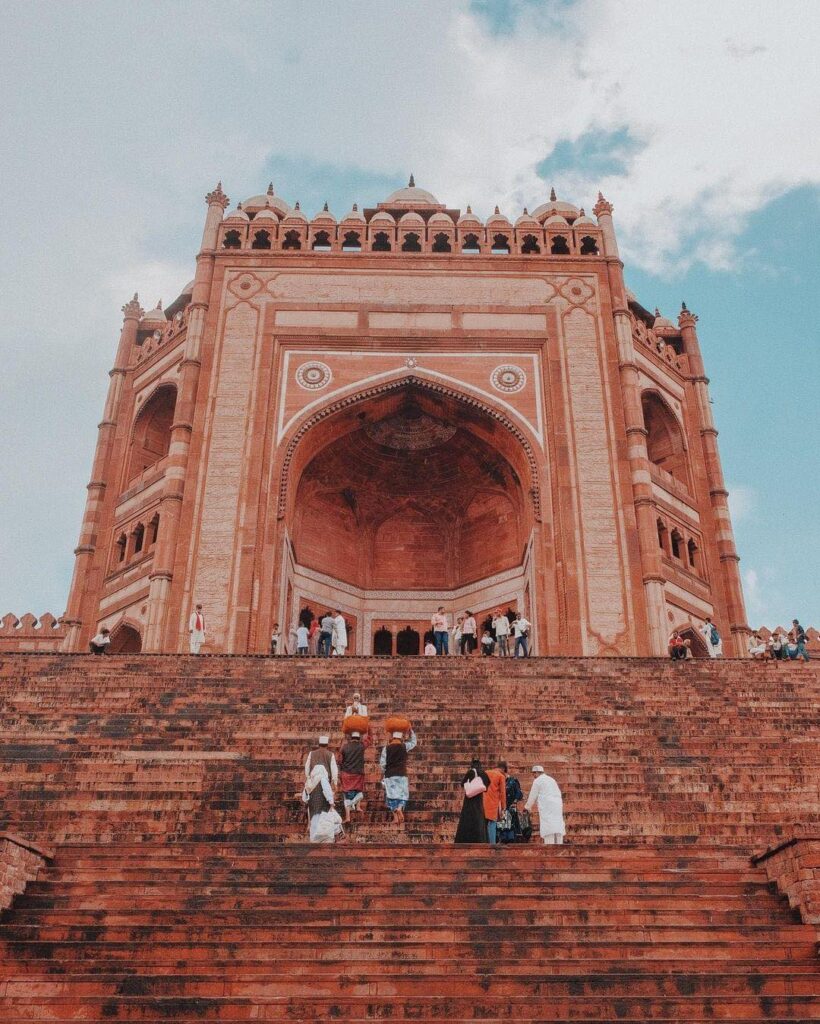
28, 633
794, 867
20, 863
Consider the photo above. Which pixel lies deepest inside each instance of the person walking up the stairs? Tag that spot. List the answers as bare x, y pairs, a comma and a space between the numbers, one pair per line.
322, 754
495, 802
325, 822
472, 825
339, 635
545, 797
393, 762
196, 629
351, 773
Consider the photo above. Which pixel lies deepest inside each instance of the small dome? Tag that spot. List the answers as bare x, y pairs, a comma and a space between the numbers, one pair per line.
412, 196
468, 217
526, 220
583, 219
155, 316
555, 205
408, 219
382, 217
661, 321
556, 220
324, 215
267, 213
237, 214
189, 288
295, 216
256, 203
354, 215
441, 218
498, 220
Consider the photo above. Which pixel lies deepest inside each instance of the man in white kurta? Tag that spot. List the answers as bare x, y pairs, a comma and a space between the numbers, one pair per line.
196, 629
709, 632
545, 797
339, 637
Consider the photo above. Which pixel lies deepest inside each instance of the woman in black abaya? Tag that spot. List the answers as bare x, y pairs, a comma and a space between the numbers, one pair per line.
472, 826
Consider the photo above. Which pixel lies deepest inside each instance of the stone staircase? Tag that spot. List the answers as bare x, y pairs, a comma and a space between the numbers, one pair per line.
182, 889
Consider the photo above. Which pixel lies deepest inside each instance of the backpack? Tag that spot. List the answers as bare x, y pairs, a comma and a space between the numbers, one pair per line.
714, 637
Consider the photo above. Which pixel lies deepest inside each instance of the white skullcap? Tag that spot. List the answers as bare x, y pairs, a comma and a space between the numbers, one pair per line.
357, 694
324, 740
397, 735
356, 735
537, 768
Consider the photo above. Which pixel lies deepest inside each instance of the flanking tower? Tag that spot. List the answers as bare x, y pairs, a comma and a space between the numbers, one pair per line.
406, 408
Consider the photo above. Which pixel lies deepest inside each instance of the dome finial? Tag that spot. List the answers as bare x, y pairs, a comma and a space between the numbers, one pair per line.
657, 312
684, 308
553, 196
526, 212
324, 208
270, 189
355, 207
496, 212
412, 182
469, 208
298, 205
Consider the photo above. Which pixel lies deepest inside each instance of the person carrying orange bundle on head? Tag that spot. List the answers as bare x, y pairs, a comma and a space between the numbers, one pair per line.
393, 762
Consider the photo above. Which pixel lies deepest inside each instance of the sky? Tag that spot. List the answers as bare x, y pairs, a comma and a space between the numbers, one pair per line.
697, 120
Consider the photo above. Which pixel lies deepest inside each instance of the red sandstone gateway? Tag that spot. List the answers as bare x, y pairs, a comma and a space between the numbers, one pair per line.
398, 410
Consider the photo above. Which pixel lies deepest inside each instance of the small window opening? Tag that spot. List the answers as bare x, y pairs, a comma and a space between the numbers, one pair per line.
232, 240
470, 244
441, 243
383, 642
154, 530
261, 240
411, 243
352, 242
381, 242
662, 531
676, 543
321, 242
501, 244
139, 538
530, 245
559, 246
692, 552
589, 247
292, 240
122, 543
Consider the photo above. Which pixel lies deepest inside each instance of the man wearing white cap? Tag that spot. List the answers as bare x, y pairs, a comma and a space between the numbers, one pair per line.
322, 754
351, 773
393, 762
356, 707
545, 797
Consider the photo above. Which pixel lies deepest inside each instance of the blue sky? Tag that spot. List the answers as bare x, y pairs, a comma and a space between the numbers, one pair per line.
697, 120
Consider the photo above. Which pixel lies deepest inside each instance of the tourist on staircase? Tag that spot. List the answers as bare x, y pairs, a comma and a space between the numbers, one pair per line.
196, 629
274, 639
324, 821
99, 643
545, 798
509, 829
430, 650
798, 635
393, 762
495, 802
339, 635
322, 754
356, 707
313, 637
469, 641
456, 645
438, 624
676, 647
501, 625
302, 640
487, 644
521, 631
714, 644
326, 635
472, 824
757, 647
351, 772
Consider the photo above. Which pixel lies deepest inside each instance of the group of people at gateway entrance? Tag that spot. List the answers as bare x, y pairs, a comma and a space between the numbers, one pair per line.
491, 809
503, 634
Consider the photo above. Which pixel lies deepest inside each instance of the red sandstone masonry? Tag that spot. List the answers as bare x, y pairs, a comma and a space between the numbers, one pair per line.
794, 867
20, 863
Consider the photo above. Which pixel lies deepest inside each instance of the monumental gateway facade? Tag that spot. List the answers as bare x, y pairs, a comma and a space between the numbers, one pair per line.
402, 409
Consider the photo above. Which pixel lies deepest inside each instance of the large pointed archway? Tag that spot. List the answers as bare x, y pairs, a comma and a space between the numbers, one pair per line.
410, 496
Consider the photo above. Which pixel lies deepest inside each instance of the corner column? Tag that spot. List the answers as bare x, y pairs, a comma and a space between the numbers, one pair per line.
162, 572
719, 496
89, 531
651, 570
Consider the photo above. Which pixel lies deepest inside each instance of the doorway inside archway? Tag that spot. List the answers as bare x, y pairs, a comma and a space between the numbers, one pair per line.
125, 640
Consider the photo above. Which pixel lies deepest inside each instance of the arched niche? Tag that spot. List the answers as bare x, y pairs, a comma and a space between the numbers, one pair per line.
665, 442
125, 639
151, 433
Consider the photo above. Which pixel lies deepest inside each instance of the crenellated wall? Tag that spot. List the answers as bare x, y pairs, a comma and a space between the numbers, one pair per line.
28, 633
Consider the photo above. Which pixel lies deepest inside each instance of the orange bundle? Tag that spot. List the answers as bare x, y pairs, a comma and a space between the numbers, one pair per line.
356, 723
398, 723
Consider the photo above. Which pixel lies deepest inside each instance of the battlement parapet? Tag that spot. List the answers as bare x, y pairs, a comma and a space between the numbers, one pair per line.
28, 633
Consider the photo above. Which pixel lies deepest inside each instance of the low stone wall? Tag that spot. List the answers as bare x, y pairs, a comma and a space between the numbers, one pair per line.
794, 866
28, 633
20, 863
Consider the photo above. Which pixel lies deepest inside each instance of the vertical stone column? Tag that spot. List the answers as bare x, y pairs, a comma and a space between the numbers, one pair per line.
171, 502
724, 535
87, 546
651, 572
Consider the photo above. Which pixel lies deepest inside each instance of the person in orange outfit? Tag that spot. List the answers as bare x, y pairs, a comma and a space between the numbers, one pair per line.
495, 801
